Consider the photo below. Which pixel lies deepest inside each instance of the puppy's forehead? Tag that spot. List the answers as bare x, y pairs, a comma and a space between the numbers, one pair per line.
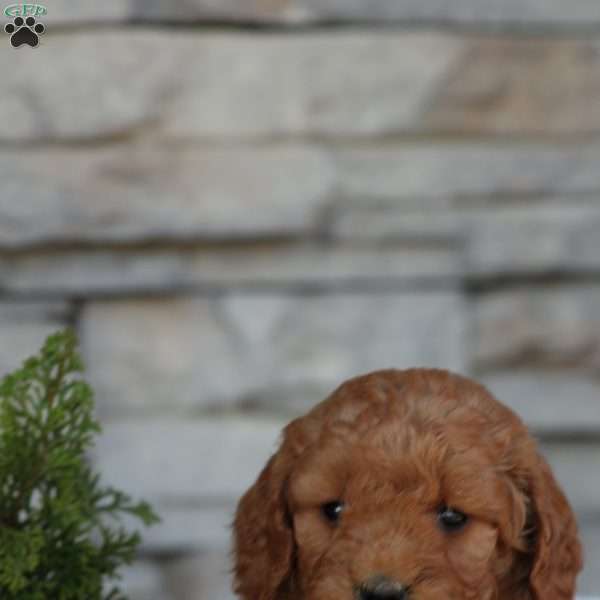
406, 448
428, 398
402, 419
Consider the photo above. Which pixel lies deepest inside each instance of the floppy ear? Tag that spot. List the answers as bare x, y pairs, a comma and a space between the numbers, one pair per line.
557, 550
263, 538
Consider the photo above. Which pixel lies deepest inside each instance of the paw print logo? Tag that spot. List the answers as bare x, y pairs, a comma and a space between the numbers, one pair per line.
24, 31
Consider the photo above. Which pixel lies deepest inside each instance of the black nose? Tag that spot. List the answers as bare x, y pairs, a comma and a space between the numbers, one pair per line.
382, 588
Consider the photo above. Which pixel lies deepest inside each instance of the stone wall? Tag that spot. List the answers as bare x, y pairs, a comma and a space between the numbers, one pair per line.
241, 203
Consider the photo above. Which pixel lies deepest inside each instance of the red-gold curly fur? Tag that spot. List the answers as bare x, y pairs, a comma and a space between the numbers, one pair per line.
395, 446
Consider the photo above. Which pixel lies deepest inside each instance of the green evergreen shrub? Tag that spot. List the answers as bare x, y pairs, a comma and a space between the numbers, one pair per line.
61, 534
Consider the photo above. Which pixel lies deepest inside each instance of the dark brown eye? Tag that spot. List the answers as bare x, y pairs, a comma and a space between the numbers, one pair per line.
451, 519
332, 510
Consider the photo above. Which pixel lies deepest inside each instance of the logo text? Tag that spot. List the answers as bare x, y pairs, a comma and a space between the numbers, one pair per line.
25, 10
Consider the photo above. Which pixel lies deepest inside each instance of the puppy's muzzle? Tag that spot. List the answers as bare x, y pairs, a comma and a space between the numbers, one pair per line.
382, 588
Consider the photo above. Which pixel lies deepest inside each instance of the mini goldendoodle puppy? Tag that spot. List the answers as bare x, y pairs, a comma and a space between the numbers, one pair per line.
406, 485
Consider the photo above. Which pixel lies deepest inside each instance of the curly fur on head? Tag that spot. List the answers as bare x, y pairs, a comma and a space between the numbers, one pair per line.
413, 485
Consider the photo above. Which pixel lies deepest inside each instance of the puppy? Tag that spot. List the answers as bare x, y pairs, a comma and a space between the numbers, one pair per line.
406, 485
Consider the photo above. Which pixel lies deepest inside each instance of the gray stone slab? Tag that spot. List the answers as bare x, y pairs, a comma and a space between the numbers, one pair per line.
186, 354
513, 86
18, 311
458, 11
163, 356
130, 192
465, 171
24, 326
141, 192
424, 220
550, 402
557, 325
67, 12
240, 84
190, 529
340, 84
518, 236
122, 271
530, 239
575, 465
589, 581
532, 12
201, 575
122, 94
143, 580
192, 471
326, 84
87, 11
178, 462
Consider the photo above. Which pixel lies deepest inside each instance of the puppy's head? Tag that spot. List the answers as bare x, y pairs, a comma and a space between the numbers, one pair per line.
406, 485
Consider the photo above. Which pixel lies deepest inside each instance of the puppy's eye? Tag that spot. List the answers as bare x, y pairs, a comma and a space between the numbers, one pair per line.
451, 520
332, 510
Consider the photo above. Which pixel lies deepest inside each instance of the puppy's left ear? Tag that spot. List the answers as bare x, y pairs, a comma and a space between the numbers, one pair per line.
557, 550
263, 538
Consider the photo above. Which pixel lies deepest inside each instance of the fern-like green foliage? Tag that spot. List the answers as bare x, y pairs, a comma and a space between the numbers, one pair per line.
61, 534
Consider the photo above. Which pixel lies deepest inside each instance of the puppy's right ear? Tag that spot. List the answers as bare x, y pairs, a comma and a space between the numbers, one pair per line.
558, 553
263, 537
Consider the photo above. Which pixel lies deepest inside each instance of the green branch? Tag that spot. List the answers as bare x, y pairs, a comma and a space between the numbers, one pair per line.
60, 535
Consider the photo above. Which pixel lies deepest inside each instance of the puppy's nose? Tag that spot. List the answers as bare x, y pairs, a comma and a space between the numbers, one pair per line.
382, 588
